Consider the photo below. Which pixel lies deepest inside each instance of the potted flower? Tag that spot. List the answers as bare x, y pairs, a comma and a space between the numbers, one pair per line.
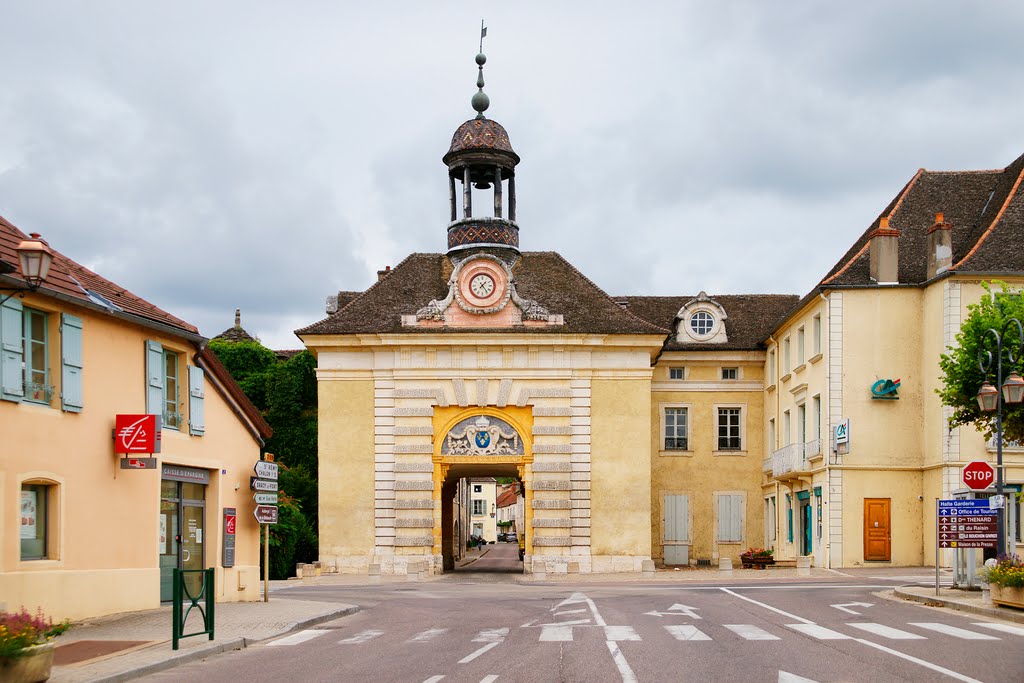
758, 558
26, 647
1006, 581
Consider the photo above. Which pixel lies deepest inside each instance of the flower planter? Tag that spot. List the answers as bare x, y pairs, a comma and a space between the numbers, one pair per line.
1008, 597
750, 562
32, 667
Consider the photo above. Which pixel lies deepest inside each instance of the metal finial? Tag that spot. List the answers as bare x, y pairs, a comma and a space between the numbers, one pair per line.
480, 99
238, 317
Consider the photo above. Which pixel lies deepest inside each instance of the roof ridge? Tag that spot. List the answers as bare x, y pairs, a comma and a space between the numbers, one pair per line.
998, 217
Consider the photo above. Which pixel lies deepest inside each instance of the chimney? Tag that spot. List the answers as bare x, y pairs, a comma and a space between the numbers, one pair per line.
884, 253
381, 274
940, 246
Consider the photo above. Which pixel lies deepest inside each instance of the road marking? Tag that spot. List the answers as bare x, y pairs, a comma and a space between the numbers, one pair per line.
750, 632
819, 632
953, 631
1005, 628
433, 679
915, 660
473, 655
570, 611
428, 635
627, 674
573, 622
885, 631
491, 635
577, 598
786, 677
360, 638
676, 609
768, 607
686, 632
296, 638
550, 633
845, 605
617, 633
489, 679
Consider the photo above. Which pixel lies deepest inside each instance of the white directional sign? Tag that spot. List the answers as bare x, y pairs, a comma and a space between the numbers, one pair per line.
257, 484
265, 498
676, 610
265, 470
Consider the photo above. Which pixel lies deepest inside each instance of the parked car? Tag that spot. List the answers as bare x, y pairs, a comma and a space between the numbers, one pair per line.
511, 537
501, 537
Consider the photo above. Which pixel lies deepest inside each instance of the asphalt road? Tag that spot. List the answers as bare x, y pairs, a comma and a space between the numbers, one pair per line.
482, 627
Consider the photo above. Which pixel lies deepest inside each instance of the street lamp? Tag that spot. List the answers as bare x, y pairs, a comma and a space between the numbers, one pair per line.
35, 257
990, 398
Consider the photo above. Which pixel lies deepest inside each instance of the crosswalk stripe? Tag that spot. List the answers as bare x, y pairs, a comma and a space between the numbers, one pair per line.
617, 633
428, 635
433, 679
296, 638
1005, 628
489, 679
491, 635
952, 630
361, 637
556, 634
886, 631
819, 632
686, 632
621, 664
750, 632
473, 655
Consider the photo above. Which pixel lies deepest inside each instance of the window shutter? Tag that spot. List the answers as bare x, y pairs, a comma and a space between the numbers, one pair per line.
71, 363
789, 518
723, 518
677, 518
196, 417
11, 352
154, 378
730, 511
736, 503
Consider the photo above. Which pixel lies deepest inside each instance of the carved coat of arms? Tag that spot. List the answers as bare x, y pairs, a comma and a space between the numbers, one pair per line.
482, 435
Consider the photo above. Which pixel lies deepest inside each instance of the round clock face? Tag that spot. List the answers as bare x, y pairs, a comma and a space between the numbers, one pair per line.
482, 285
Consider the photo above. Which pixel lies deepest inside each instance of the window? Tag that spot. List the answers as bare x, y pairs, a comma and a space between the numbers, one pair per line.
800, 346
785, 356
817, 334
771, 435
701, 323
478, 506
34, 348
730, 517
786, 429
729, 429
770, 521
730, 373
35, 521
771, 367
478, 488
172, 418
675, 373
801, 416
675, 429
816, 404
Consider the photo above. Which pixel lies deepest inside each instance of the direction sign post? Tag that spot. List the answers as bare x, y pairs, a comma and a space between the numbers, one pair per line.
265, 484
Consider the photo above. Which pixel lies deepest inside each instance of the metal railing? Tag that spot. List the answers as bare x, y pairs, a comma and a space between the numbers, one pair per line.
794, 457
196, 585
1007, 445
34, 391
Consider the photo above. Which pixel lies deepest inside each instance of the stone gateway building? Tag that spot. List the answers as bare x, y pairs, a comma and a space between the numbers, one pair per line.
676, 429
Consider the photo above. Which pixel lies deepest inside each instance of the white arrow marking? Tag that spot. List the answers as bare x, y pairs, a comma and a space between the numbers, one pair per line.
676, 610
844, 605
786, 677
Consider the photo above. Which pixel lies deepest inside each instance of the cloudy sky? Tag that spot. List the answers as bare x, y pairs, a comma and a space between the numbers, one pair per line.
262, 155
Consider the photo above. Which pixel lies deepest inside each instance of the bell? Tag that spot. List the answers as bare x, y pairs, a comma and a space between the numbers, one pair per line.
482, 185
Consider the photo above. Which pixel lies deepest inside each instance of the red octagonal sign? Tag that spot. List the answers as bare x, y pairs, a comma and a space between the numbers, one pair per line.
978, 475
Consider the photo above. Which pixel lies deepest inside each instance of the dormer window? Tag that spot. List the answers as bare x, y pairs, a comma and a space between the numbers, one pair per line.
701, 320
702, 323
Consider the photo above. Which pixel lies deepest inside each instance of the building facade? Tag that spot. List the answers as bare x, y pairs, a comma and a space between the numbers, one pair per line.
81, 535
675, 429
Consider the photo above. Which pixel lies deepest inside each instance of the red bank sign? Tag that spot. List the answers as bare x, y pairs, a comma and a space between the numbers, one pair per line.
136, 434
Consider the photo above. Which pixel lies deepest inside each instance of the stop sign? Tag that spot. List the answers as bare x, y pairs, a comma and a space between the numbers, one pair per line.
978, 475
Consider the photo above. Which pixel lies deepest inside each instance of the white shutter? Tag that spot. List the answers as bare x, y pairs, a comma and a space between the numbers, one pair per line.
11, 351
730, 512
196, 416
154, 378
677, 518
71, 363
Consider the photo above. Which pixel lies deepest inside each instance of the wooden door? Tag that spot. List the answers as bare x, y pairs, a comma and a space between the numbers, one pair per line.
877, 536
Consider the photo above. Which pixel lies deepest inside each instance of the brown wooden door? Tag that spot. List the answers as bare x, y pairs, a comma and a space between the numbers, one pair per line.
877, 537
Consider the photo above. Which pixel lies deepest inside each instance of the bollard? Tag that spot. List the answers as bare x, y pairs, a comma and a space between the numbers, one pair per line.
540, 571
374, 573
412, 571
803, 565
725, 565
572, 568
647, 567
298, 570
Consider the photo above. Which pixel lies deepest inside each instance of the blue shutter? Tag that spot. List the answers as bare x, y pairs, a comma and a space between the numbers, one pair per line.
71, 363
154, 378
11, 351
196, 416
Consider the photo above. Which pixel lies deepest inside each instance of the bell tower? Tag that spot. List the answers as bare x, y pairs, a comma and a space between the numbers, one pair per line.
481, 158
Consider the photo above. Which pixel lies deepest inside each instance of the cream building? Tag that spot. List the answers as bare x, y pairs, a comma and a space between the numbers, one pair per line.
678, 430
79, 535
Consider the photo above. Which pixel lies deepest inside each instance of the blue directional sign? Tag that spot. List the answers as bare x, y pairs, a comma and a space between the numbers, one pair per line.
952, 508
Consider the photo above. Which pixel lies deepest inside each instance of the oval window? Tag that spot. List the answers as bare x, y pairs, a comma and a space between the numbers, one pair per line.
701, 323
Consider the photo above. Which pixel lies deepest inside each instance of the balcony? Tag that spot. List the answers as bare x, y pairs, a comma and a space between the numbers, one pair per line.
1017, 446
793, 461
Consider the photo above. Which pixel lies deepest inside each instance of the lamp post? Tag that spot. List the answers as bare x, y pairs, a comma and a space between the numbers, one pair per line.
992, 399
34, 257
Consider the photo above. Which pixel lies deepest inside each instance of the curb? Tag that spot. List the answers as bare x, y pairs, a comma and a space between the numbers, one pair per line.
994, 612
227, 646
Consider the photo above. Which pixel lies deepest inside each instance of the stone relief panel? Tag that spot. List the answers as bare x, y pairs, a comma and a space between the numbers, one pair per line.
482, 435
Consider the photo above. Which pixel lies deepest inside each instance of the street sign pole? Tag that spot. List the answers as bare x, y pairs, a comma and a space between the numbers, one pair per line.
937, 547
266, 563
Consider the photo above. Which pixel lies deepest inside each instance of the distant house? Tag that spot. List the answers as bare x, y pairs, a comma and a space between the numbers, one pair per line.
83, 530
510, 506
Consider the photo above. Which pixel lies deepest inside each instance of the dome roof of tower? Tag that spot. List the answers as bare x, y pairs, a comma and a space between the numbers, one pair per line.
481, 134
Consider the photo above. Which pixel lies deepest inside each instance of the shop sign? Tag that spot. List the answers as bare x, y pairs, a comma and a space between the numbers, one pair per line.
886, 389
136, 434
230, 522
191, 475
842, 432
138, 463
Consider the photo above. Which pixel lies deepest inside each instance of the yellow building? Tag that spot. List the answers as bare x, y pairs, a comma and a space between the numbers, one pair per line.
678, 430
80, 535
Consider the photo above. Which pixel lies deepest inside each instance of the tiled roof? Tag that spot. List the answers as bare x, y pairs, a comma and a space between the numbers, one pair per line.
286, 354
508, 496
74, 280
543, 276
235, 334
481, 134
985, 208
751, 317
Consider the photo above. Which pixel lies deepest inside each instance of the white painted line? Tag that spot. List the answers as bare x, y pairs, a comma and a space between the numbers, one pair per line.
915, 660
618, 633
570, 611
686, 632
296, 638
574, 622
491, 635
750, 632
846, 606
886, 631
428, 635
528, 624
819, 632
786, 677
573, 599
627, 674
433, 679
556, 634
767, 607
360, 638
952, 630
1005, 628
473, 655
489, 679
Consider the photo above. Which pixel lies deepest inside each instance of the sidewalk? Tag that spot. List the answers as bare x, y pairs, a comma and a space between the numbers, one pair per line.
122, 647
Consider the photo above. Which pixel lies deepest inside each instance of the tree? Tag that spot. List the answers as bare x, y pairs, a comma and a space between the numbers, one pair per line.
962, 374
